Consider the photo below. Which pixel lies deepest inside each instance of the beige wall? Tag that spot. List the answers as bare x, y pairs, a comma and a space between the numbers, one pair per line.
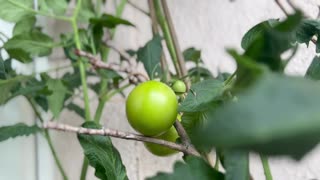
210, 25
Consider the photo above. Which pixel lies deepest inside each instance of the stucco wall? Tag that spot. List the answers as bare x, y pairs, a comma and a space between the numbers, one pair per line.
210, 25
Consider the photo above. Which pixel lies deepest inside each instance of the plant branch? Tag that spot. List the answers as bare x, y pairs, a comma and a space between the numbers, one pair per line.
48, 138
55, 156
216, 164
122, 52
138, 8
81, 64
182, 133
83, 79
4, 35
106, 97
180, 58
230, 78
121, 135
266, 168
165, 29
155, 30
97, 63
282, 8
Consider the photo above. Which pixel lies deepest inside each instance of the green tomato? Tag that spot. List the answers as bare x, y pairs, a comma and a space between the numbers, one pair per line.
151, 108
159, 150
179, 87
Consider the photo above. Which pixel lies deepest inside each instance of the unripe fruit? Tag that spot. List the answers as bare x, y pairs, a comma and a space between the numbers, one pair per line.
160, 150
151, 108
179, 87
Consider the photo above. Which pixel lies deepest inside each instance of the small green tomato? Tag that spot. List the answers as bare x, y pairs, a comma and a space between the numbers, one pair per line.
159, 150
179, 87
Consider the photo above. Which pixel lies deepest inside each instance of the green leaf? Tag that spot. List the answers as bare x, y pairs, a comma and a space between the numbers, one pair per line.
87, 11
3, 72
15, 10
192, 54
56, 99
97, 36
257, 31
248, 71
190, 120
16, 130
72, 80
57, 7
108, 73
222, 76
33, 87
25, 25
95, 87
307, 30
6, 86
194, 168
277, 115
268, 47
150, 56
102, 155
313, 71
24, 47
236, 164
109, 21
42, 101
318, 46
197, 74
8, 66
77, 109
84, 38
201, 95
131, 52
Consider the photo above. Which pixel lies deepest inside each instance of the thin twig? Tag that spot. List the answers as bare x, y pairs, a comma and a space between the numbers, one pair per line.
166, 34
138, 8
97, 63
291, 4
155, 30
122, 52
182, 133
181, 61
182, 67
266, 167
282, 8
48, 138
121, 135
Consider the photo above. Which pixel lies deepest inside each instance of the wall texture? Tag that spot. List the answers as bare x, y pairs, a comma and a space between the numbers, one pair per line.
210, 25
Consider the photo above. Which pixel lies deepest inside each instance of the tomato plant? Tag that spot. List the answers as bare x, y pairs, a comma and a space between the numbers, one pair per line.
151, 108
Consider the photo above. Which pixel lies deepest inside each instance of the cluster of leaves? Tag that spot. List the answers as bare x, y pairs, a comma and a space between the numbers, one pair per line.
29, 41
262, 110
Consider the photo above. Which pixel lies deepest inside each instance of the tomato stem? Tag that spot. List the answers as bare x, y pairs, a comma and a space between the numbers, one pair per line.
48, 138
167, 36
266, 168
216, 165
155, 30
